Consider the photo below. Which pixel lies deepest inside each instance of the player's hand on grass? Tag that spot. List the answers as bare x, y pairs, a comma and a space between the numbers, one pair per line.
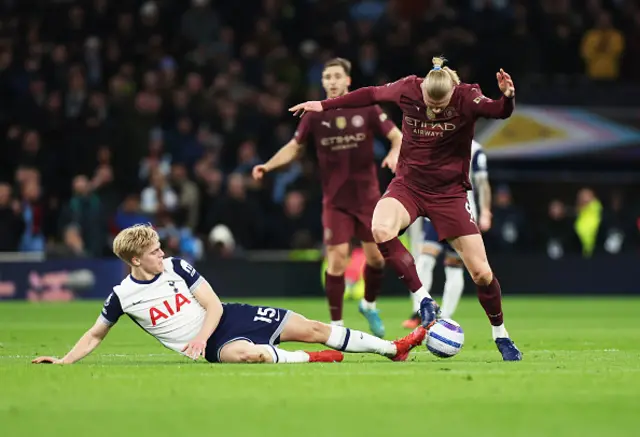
391, 160
47, 360
505, 83
485, 221
195, 349
259, 171
311, 106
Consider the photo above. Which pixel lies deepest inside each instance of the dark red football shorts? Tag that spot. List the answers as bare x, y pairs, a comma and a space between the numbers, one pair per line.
341, 225
450, 215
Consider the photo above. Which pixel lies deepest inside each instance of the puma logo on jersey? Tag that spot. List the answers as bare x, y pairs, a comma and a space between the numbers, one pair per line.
326, 123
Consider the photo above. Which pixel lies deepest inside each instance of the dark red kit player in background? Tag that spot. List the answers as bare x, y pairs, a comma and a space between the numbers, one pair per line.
432, 178
343, 140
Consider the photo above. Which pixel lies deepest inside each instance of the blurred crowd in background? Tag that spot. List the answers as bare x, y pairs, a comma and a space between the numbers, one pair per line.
115, 113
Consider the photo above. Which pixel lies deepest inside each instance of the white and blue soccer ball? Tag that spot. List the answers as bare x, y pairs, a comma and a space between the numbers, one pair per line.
445, 338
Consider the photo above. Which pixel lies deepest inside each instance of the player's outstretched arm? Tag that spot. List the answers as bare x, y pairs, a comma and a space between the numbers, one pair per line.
503, 108
359, 98
282, 157
87, 343
209, 300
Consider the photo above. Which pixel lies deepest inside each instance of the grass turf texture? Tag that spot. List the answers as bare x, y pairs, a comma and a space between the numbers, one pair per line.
580, 377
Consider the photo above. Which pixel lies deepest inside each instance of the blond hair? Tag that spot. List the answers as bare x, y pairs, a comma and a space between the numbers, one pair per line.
133, 241
440, 80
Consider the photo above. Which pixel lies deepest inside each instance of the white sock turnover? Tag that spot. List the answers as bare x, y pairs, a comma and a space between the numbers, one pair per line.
499, 332
368, 305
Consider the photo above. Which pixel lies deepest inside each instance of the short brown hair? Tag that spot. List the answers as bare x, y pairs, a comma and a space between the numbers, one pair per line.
339, 62
133, 241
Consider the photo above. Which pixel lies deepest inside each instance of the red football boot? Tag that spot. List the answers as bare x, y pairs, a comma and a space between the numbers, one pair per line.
405, 344
326, 356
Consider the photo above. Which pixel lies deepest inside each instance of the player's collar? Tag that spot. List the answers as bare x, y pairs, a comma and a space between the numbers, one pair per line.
140, 281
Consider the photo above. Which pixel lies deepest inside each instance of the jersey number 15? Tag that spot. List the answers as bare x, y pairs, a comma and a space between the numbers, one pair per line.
267, 315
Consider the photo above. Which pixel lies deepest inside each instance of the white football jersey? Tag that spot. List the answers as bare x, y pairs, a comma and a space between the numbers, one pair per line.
478, 169
163, 306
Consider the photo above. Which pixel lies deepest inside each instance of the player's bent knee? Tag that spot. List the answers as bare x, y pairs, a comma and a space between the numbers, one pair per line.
376, 261
337, 260
482, 277
317, 332
383, 232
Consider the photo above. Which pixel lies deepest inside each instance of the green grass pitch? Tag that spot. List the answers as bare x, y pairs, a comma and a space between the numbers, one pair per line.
580, 377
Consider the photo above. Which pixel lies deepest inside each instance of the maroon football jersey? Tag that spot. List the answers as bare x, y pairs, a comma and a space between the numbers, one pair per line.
343, 140
436, 148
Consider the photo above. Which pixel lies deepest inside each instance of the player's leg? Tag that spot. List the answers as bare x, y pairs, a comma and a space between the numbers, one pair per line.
337, 260
373, 276
453, 282
245, 352
454, 221
395, 211
429, 252
300, 329
338, 230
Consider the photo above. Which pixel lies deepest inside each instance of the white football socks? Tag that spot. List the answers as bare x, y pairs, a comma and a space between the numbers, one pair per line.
424, 266
349, 340
281, 356
420, 294
368, 305
499, 332
453, 287
337, 322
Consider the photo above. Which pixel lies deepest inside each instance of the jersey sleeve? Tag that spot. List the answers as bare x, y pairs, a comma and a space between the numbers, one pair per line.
380, 121
303, 132
391, 92
187, 272
111, 310
482, 106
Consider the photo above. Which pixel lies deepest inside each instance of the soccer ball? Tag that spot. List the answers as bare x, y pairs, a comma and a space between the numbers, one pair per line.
445, 338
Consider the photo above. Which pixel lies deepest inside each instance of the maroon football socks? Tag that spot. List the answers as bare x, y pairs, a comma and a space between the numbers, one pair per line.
490, 297
401, 261
372, 283
334, 286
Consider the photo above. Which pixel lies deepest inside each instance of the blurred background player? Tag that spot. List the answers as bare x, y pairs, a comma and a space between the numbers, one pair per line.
169, 299
431, 247
344, 145
432, 180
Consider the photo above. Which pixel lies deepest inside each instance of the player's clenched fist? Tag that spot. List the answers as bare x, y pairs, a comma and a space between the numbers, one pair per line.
259, 171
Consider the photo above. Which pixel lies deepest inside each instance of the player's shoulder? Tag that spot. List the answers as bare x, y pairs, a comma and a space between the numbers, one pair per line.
173, 264
468, 88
